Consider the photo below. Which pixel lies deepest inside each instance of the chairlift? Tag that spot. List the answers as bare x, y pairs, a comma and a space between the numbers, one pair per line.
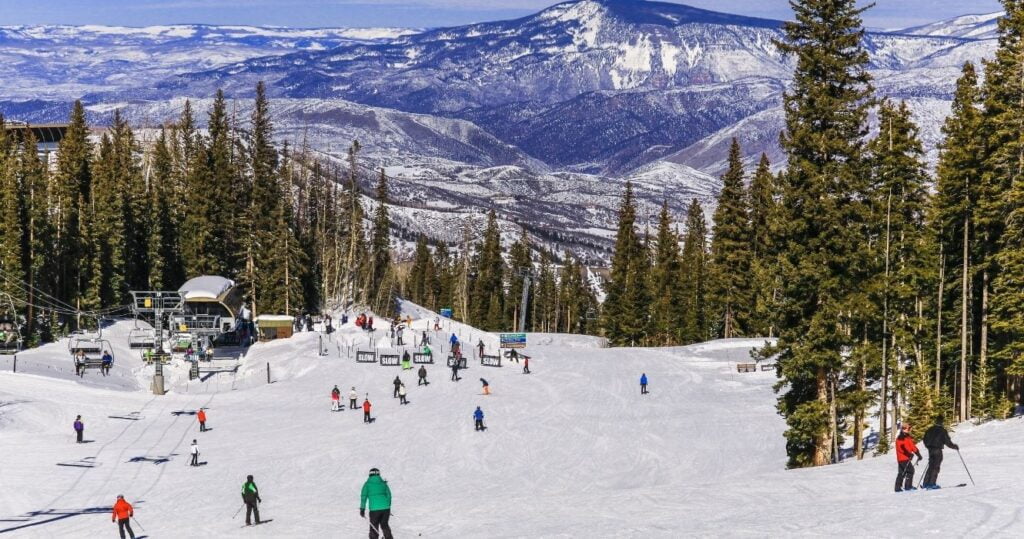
142, 338
91, 346
10, 327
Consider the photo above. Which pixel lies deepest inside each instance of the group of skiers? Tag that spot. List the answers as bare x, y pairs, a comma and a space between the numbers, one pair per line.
935, 438
364, 322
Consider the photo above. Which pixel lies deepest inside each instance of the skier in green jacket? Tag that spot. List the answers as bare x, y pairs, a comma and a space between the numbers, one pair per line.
377, 496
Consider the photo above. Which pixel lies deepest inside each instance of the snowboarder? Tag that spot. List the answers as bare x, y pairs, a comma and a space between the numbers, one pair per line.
194, 449
366, 410
480, 347
423, 377
406, 361
934, 439
106, 362
643, 384
251, 498
201, 416
376, 496
123, 511
487, 388
455, 370
352, 396
398, 383
906, 448
79, 428
478, 417
335, 399
401, 395
526, 364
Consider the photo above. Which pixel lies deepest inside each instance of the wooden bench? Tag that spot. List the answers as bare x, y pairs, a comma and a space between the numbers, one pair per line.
746, 367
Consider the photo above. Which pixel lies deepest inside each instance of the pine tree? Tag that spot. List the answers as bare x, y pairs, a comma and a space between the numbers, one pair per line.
264, 248
37, 232
666, 292
69, 192
545, 302
488, 293
133, 205
380, 248
693, 277
626, 304
11, 269
225, 206
730, 280
106, 286
519, 262
764, 277
823, 237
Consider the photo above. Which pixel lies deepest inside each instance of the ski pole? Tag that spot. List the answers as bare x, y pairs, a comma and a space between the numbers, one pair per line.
965, 467
137, 524
239, 511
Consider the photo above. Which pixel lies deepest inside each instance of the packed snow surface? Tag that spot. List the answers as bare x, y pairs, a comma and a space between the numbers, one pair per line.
571, 450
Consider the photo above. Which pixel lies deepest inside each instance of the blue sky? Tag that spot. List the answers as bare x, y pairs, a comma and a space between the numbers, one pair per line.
417, 13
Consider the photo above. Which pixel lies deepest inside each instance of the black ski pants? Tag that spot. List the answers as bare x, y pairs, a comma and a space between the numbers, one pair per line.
401, 399
202, 426
252, 509
124, 524
366, 417
905, 476
80, 434
195, 459
422, 382
396, 392
479, 424
351, 404
934, 463
379, 524
643, 389
455, 374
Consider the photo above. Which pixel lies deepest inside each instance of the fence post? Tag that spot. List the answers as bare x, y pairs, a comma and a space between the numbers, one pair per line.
15, 362
268, 372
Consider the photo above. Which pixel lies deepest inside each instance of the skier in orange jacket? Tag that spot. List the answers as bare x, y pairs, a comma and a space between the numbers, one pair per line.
201, 416
122, 512
366, 410
906, 448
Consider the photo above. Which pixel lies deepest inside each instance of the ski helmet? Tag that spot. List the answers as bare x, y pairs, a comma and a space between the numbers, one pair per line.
374, 471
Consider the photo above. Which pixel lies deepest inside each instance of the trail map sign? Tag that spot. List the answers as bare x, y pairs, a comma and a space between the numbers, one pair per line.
513, 340
446, 312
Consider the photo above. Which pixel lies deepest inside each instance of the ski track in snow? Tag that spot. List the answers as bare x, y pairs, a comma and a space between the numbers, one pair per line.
572, 450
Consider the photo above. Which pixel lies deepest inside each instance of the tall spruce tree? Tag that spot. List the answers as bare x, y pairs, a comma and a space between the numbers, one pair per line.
666, 293
763, 198
693, 276
519, 263
488, 292
380, 248
37, 233
106, 285
823, 237
265, 249
11, 269
730, 283
626, 305
70, 195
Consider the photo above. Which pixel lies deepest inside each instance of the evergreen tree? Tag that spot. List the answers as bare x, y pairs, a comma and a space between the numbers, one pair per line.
70, 194
666, 293
37, 232
380, 248
11, 269
730, 280
519, 262
133, 205
626, 304
488, 293
106, 286
265, 249
823, 235
764, 279
419, 286
225, 206
693, 277
545, 302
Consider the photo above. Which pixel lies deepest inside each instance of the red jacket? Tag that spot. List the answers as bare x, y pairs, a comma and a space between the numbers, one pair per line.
122, 510
906, 448
366, 406
202, 416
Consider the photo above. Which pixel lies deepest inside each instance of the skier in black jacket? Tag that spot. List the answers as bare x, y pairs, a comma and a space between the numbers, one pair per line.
398, 384
934, 439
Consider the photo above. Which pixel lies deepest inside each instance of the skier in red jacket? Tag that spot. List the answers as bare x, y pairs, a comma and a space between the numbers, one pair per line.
906, 448
366, 410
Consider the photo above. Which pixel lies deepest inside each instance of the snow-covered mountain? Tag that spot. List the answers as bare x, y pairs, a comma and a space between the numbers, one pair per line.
587, 92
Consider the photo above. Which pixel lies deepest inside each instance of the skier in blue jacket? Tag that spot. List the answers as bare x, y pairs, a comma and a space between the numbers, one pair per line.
478, 415
643, 384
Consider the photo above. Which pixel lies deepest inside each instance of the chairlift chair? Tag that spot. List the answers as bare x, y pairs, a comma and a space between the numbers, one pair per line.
10, 336
141, 338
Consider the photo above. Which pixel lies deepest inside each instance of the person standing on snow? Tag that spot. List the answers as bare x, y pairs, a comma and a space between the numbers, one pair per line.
406, 361
478, 417
194, 449
201, 416
423, 376
526, 364
906, 448
455, 370
398, 383
643, 384
335, 399
79, 428
251, 498
123, 511
480, 348
401, 395
398, 334
352, 397
934, 439
376, 496
366, 410
487, 388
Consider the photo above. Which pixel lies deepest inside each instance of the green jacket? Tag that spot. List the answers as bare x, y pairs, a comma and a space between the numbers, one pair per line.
250, 493
377, 492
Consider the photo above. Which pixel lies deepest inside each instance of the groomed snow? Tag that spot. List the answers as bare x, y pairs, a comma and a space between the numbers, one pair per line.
572, 450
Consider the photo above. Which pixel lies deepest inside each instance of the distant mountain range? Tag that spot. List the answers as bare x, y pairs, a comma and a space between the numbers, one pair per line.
587, 93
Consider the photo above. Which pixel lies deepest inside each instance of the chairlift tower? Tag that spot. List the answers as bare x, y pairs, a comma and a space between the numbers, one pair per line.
159, 304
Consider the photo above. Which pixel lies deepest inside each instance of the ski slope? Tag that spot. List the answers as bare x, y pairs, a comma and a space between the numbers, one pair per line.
572, 450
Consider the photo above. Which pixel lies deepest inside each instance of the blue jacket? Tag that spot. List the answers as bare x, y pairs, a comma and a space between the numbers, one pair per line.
643, 379
478, 414
454, 339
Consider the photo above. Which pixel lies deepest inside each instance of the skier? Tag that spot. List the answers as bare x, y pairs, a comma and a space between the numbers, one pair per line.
335, 399
427, 350
398, 334
201, 416
455, 370
251, 498
424, 340
194, 449
643, 384
366, 410
423, 377
401, 395
79, 428
934, 439
80, 363
526, 364
398, 383
406, 361
487, 388
369, 324
480, 347
906, 448
377, 497
478, 416
352, 396
123, 511
107, 361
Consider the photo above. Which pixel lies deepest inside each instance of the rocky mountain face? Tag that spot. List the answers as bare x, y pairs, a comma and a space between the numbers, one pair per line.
543, 117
